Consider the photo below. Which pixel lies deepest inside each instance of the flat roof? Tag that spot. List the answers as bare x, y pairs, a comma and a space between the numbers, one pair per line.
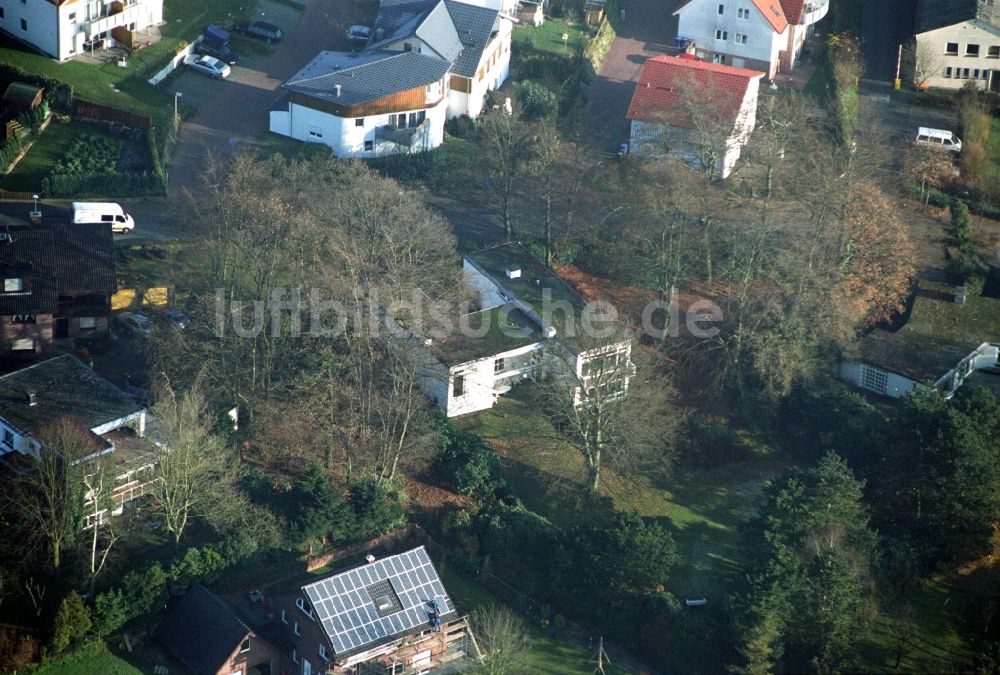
491, 331
552, 299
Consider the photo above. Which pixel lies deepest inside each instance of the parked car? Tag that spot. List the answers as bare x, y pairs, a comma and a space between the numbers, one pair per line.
359, 34
260, 30
207, 65
176, 317
215, 42
137, 323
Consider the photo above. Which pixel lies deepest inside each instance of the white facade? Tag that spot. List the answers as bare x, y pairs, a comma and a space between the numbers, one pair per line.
13, 439
645, 137
63, 31
361, 136
888, 383
953, 55
739, 36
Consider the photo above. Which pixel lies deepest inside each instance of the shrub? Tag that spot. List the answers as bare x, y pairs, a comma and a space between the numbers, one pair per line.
18, 649
537, 100
378, 507
961, 225
110, 612
71, 623
144, 590
974, 285
8, 151
89, 154
318, 508
469, 464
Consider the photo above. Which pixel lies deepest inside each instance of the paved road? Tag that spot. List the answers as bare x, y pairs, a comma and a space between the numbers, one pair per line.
238, 113
649, 29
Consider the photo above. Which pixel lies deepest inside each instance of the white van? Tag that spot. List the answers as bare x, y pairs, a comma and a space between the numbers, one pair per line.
939, 138
101, 212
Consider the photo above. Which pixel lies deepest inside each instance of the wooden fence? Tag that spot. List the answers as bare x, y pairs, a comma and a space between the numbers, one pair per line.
105, 113
8, 196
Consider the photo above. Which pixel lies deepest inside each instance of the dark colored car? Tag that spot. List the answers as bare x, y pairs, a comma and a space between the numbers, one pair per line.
215, 42
261, 30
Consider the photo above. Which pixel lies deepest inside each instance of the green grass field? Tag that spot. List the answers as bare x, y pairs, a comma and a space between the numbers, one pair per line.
91, 659
548, 37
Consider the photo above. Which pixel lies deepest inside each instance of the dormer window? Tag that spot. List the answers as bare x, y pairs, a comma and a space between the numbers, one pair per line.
13, 285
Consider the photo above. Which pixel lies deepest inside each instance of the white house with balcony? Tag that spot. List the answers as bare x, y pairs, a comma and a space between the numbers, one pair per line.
427, 61
763, 35
948, 341
958, 41
65, 28
527, 324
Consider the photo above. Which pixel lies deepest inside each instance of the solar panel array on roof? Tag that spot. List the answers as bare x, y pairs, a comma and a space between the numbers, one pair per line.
359, 610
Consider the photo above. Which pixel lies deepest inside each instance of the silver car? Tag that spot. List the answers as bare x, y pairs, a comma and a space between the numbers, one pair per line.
208, 65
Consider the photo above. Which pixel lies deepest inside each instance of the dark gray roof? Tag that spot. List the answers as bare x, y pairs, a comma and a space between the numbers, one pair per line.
201, 631
367, 76
29, 253
350, 616
475, 26
934, 14
457, 31
61, 259
64, 387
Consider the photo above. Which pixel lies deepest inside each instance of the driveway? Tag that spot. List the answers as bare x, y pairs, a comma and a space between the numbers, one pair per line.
238, 113
649, 29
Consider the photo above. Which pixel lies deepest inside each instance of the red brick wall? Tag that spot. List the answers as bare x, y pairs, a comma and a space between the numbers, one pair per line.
40, 331
260, 652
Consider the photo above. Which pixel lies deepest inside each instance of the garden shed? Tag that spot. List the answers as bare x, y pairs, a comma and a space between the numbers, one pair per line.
23, 96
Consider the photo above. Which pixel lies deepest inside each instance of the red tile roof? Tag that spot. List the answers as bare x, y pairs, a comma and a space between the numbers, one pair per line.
659, 93
793, 10
772, 10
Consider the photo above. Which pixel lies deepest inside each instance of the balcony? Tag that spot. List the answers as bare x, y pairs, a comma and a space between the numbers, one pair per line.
813, 11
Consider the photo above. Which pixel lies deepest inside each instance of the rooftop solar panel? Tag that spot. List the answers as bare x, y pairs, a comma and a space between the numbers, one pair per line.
374, 604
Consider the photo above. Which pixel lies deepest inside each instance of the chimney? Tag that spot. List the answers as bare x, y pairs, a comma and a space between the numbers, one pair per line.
960, 293
336, 88
369, 558
513, 271
30, 397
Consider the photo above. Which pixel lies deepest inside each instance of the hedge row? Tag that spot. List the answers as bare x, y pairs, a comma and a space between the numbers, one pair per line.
59, 94
103, 184
979, 205
9, 150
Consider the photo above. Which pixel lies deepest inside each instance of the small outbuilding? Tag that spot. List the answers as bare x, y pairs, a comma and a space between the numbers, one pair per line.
23, 96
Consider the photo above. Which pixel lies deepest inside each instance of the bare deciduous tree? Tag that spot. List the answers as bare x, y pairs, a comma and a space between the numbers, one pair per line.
504, 640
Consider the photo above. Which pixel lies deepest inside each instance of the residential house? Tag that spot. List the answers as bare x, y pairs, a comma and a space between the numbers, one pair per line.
58, 281
206, 635
64, 387
391, 615
528, 323
958, 41
64, 28
427, 61
764, 35
944, 344
702, 112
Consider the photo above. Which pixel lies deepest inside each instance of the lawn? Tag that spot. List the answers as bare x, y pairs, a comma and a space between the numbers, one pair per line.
127, 88
50, 147
88, 660
548, 37
549, 653
703, 508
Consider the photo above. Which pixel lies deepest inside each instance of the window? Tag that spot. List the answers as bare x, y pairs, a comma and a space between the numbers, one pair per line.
322, 652
369, 146
301, 604
741, 39
284, 617
991, 53
22, 345
245, 647
951, 49
295, 655
8, 438
295, 628
315, 133
360, 122
24, 24
986, 74
972, 50
743, 13
718, 58
722, 35
965, 73
1, 12
458, 385
975, 74
874, 379
499, 366
88, 323
72, 17
407, 47
722, 9
13, 285
947, 71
